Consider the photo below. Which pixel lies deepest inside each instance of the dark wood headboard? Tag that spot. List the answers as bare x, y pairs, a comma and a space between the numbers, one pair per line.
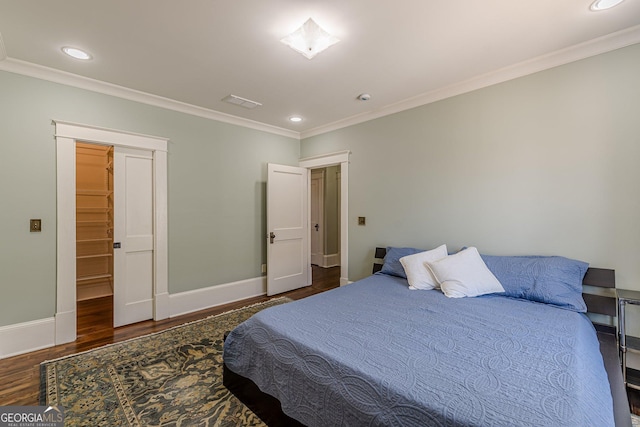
603, 303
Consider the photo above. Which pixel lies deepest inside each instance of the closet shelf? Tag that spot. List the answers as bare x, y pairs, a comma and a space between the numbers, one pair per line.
105, 239
89, 223
93, 256
89, 210
96, 277
94, 221
93, 192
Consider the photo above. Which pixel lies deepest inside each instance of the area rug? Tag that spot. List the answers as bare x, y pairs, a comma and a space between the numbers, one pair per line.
170, 378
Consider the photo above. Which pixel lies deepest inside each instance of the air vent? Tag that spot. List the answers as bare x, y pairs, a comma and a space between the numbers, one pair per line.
242, 102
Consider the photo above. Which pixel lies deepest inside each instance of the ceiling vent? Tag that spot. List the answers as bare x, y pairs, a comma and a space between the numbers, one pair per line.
242, 102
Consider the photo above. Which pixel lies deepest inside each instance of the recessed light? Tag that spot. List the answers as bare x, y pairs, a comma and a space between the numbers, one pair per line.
604, 4
295, 119
76, 53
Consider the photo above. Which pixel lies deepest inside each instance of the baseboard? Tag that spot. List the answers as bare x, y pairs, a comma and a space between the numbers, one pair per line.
200, 299
38, 334
326, 261
317, 259
161, 307
66, 327
28, 336
331, 260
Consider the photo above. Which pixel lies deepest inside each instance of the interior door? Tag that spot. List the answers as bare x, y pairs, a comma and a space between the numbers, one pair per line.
133, 236
288, 247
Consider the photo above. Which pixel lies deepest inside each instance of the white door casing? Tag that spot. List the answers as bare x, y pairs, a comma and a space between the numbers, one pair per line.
133, 232
67, 134
317, 217
288, 244
339, 158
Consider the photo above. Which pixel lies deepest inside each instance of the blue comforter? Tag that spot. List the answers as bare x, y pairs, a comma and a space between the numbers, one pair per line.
375, 353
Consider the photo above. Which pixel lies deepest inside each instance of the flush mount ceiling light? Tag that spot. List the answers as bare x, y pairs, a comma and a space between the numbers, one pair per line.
295, 119
604, 4
76, 53
309, 39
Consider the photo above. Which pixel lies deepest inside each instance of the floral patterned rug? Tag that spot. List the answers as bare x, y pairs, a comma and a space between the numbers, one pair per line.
171, 378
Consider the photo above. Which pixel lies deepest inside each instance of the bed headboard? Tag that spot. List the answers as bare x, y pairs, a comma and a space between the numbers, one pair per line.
599, 294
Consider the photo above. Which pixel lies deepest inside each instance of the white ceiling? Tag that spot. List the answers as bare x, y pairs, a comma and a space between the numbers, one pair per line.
403, 52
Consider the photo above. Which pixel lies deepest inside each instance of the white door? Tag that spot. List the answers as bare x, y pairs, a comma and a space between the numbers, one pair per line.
133, 232
288, 265
317, 222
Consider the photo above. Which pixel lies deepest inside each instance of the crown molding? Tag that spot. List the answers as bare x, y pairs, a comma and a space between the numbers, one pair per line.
613, 41
45, 73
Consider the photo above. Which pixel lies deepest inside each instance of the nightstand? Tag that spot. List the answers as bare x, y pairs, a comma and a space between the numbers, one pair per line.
627, 343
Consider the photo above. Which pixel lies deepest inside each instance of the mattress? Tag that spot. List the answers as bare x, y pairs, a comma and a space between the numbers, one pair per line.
375, 353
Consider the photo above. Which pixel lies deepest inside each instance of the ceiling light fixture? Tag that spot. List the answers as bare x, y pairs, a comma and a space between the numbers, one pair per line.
309, 39
76, 53
604, 4
295, 119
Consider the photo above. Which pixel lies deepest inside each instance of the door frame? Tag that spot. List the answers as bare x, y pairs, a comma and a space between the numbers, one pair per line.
340, 158
66, 135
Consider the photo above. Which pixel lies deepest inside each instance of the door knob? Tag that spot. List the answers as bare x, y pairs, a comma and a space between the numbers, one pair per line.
272, 236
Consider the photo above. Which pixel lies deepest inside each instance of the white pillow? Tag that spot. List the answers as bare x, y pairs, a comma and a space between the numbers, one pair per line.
418, 275
464, 275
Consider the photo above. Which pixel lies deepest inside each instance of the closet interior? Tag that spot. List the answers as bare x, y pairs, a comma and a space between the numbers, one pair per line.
94, 221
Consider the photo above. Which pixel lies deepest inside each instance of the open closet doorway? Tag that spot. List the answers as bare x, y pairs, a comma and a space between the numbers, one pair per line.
325, 216
114, 235
142, 253
94, 236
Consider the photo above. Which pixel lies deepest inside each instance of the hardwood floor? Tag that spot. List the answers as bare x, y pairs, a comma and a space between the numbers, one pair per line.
634, 400
20, 375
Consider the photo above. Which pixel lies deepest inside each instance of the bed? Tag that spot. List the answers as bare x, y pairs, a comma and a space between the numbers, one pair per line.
377, 353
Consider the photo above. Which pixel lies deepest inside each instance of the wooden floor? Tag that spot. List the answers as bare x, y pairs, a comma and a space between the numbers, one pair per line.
634, 400
20, 375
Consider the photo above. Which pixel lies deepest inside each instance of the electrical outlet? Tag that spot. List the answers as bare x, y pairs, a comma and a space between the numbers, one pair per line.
362, 220
35, 225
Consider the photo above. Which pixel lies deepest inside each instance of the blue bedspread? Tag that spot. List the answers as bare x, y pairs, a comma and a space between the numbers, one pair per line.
375, 353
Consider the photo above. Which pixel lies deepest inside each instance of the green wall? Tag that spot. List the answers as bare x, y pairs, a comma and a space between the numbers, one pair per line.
543, 164
217, 175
